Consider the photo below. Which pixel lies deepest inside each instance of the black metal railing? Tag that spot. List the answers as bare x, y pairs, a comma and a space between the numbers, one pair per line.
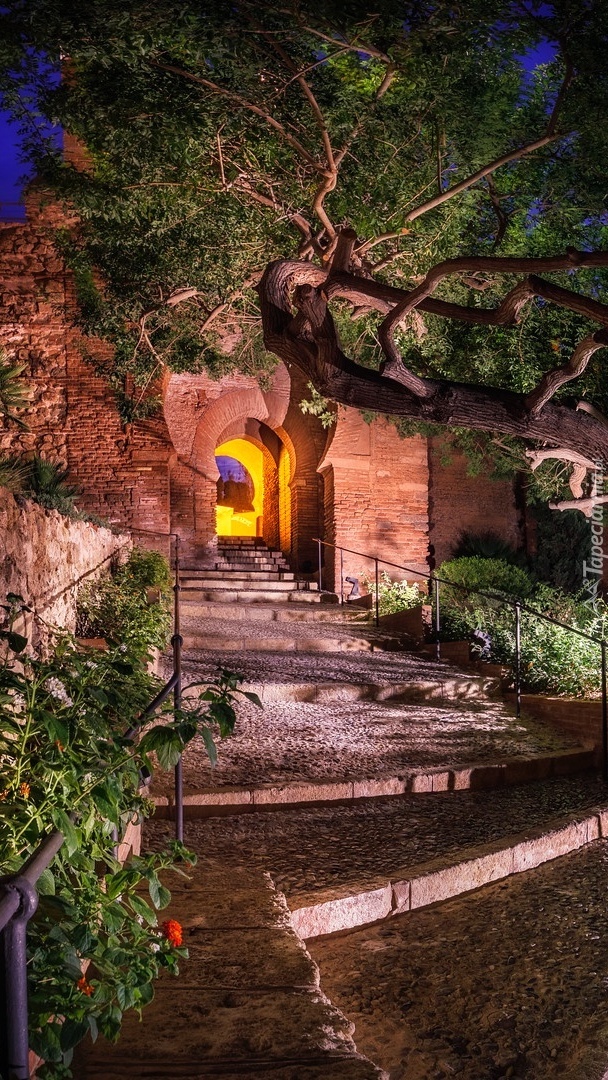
518, 605
18, 892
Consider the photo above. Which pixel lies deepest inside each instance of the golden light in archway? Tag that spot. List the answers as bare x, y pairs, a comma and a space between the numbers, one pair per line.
235, 522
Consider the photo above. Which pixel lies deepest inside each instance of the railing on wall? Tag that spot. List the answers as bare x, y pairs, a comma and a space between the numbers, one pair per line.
18, 893
518, 605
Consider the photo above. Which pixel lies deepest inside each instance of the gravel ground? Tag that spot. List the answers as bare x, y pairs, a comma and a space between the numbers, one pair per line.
286, 667
253, 628
360, 740
344, 847
508, 982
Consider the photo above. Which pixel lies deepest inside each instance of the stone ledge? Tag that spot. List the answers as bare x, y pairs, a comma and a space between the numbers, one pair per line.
478, 777
443, 878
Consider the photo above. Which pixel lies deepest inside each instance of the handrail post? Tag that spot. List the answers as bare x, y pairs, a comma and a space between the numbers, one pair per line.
177, 642
437, 618
517, 658
14, 1044
604, 713
320, 566
377, 618
341, 576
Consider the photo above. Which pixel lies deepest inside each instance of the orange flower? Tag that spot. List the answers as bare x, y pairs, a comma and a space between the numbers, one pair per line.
59, 746
4, 795
85, 986
173, 932
24, 789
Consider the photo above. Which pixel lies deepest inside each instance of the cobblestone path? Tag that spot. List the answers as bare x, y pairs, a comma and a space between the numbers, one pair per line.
508, 982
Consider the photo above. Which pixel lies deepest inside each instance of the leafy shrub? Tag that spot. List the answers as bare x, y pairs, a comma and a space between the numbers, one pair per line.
553, 659
487, 545
393, 596
14, 390
119, 607
66, 764
13, 472
47, 483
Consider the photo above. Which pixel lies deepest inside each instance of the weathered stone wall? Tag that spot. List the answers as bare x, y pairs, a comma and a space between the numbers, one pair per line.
380, 484
44, 556
461, 503
72, 418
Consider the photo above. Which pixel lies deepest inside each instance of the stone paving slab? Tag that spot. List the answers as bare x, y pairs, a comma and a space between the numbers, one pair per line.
247, 1001
320, 852
508, 982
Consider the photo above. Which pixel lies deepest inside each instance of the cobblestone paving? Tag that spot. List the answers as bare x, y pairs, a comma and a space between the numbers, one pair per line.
377, 667
359, 740
508, 982
353, 847
256, 628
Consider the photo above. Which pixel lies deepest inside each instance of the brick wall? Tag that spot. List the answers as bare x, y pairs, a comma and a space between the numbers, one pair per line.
73, 419
379, 484
583, 719
461, 503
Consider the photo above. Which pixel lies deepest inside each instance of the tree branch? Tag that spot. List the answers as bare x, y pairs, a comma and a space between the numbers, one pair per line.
474, 178
552, 380
248, 105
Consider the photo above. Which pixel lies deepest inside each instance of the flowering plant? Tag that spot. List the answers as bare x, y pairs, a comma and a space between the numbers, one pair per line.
95, 946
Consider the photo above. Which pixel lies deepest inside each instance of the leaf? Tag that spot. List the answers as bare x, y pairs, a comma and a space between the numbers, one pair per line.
73, 1032
16, 642
159, 894
46, 883
140, 907
210, 746
255, 700
62, 822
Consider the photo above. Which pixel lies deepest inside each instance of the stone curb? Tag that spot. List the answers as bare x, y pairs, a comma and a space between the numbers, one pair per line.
430, 883
479, 777
280, 643
450, 690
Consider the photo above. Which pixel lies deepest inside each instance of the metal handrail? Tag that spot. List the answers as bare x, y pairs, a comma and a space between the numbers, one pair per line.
516, 603
19, 898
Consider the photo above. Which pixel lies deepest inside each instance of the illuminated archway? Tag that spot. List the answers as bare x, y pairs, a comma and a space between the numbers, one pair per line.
240, 511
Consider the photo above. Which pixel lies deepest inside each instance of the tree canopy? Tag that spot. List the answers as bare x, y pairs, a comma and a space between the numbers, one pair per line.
412, 200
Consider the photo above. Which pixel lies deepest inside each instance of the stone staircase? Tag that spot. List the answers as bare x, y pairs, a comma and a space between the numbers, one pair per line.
246, 570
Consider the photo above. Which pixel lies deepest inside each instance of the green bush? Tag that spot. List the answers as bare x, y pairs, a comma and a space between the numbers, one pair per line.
120, 609
553, 659
393, 596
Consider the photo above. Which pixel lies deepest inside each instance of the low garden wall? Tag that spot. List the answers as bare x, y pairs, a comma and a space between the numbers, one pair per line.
574, 716
45, 555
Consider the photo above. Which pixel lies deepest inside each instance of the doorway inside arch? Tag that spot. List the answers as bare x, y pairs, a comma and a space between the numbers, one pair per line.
240, 489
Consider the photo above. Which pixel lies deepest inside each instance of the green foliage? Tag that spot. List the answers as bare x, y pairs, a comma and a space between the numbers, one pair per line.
553, 659
13, 472
199, 175
66, 764
47, 483
487, 545
120, 608
561, 547
393, 596
319, 406
14, 391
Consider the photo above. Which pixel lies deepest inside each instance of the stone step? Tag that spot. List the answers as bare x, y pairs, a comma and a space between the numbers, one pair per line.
283, 643
247, 1002
208, 801
283, 613
239, 582
238, 575
221, 594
